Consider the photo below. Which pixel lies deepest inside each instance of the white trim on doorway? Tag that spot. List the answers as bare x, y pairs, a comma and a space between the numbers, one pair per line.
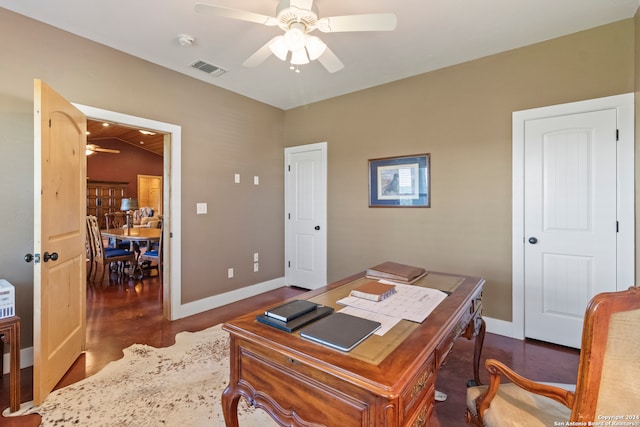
172, 197
624, 104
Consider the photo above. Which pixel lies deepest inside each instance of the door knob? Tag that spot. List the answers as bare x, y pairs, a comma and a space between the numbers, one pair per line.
317, 227
50, 256
28, 258
533, 240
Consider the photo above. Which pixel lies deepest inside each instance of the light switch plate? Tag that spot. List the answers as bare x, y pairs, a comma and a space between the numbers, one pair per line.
236, 178
256, 180
201, 208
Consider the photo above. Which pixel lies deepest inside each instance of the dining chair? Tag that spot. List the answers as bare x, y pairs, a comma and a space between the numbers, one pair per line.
153, 254
608, 380
105, 256
116, 220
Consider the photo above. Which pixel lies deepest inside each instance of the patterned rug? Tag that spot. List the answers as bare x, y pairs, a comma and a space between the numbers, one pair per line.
179, 385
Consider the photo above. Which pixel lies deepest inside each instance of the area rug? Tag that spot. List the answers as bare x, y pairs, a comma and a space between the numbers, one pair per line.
179, 385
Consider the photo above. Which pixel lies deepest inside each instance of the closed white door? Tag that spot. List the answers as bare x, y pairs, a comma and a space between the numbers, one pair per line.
306, 216
570, 224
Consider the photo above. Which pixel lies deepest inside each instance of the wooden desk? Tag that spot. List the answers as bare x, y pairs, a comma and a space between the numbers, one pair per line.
10, 334
385, 381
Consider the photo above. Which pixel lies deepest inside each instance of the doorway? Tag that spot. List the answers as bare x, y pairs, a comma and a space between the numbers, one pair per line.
565, 158
171, 199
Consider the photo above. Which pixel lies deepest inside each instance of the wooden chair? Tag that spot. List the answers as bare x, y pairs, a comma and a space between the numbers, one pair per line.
153, 254
116, 220
608, 382
102, 255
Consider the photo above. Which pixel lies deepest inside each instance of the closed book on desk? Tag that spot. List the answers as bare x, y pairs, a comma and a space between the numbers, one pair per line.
340, 331
290, 310
290, 326
397, 272
373, 290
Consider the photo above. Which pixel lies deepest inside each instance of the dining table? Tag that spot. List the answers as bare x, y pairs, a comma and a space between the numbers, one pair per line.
135, 237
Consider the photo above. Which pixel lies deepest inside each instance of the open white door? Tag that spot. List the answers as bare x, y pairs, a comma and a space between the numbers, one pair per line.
306, 215
59, 238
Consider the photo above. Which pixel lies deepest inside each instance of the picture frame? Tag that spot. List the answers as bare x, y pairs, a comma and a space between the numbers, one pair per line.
400, 182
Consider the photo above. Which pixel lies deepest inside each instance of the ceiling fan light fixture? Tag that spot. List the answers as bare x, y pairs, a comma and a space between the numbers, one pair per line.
299, 57
295, 37
315, 47
279, 48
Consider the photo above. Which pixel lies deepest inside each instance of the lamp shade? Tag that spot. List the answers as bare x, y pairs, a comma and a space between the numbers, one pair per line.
315, 47
129, 204
279, 48
299, 57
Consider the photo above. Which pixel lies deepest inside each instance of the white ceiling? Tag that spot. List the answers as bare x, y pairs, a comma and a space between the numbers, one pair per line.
431, 34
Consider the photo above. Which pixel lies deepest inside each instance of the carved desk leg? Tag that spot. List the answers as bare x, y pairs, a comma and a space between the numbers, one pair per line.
230, 401
477, 351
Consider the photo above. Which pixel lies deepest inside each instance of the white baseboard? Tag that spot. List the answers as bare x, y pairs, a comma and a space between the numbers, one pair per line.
26, 359
501, 327
215, 301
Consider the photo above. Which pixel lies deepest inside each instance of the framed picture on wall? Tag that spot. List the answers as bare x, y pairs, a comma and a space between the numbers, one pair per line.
400, 182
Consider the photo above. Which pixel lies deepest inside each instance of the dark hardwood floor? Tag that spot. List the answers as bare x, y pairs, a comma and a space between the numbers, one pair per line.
121, 314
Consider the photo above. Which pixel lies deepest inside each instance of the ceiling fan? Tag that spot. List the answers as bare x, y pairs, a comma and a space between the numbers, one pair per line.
92, 148
298, 18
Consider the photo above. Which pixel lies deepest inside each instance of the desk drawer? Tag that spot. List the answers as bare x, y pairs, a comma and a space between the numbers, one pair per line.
423, 415
423, 387
463, 325
283, 386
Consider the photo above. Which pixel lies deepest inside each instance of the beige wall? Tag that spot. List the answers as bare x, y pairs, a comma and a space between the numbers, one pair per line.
222, 133
462, 116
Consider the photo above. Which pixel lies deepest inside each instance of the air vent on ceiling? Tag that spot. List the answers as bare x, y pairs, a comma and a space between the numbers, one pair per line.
211, 69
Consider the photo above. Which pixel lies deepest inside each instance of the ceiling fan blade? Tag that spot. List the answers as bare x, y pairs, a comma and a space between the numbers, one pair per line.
261, 54
369, 22
98, 149
330, 61
241, 15
106, 150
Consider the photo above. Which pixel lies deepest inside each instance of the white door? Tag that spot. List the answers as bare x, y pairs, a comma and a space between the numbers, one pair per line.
570, 223
306, 216
59, 238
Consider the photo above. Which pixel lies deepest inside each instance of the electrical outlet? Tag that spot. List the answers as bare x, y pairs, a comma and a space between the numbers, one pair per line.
256, 257
201, 208
236, 178
256, 180
256, 267
230, 273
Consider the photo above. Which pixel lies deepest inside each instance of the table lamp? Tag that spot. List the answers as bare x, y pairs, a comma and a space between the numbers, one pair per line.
129, 205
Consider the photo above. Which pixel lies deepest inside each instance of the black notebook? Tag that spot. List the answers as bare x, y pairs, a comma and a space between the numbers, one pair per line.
290, 310
298, 322
339, 330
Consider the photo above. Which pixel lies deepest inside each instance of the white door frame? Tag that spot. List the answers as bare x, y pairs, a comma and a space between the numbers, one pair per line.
626, 210
323, 148
171, 199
